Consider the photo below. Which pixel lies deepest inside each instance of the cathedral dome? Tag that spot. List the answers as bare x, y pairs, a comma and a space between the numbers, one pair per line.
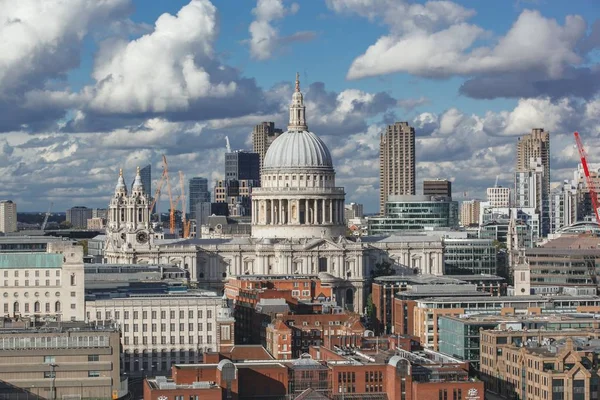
298, 149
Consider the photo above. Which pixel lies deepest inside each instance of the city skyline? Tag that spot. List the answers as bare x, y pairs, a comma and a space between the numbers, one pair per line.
71, 122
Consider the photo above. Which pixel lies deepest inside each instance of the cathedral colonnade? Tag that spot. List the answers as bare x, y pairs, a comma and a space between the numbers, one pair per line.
309, 211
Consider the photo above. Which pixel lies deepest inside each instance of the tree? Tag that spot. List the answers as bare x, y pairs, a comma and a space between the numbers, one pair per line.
84, 244
383, 268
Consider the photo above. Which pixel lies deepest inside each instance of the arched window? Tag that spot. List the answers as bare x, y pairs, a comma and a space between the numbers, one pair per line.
36, 306
57, 307
26, 307
72, 279
16, 307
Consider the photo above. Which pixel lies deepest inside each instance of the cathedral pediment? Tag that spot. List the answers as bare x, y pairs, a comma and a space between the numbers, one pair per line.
323, 244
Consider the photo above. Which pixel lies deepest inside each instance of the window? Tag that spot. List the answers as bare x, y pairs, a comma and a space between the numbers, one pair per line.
117, 314
47, 282
93, 374
172, 339
190, 327
144, 314
135, 315
191, 314
209, 339
72, 279
200, 328
126, 315
49, 359
153, 314
58, 272
26, 307
209, 326
49, 374
36, 306
163, 314
181, 314
73, 306
6, 308
209, 314
153, 327
172, 315
73, 294
93, 357
57, 307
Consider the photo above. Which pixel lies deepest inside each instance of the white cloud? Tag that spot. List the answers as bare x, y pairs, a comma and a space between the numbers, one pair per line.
163, 70
532, 43
264, 36
41, 40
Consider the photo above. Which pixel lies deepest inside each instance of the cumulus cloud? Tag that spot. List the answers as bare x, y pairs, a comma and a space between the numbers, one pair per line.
264, 36
538, 56
163, 70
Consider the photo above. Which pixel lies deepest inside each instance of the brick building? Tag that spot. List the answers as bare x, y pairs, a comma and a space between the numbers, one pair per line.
321, 373
291, 335
540, 364
259, 298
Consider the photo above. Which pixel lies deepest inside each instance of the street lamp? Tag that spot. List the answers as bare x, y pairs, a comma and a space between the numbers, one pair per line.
53, 366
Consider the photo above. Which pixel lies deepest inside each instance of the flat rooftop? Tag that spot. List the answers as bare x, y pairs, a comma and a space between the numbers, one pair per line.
514, 299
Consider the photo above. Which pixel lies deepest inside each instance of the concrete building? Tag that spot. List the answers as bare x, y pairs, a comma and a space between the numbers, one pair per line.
67, 360
396, 162
236, 194
570, 260
535, 146
353, 211
242, 165
199, 200
78, 216
469, 213
46, 284
531, 193
498, 197
437, 187
541, 364
563, 206
8, 216
263, 135
415, 213
95, 224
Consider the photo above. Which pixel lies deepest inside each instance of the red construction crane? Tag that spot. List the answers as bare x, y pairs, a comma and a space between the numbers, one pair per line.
590, 183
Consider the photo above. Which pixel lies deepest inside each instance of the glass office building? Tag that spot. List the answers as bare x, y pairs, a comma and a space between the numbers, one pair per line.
415, 213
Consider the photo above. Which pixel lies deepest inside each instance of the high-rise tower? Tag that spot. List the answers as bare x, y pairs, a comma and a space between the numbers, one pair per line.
396, 162
533, 153
263, 135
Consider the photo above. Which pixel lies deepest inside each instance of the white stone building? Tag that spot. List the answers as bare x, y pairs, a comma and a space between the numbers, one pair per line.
46, 284
159, 330
297, 226
8, 216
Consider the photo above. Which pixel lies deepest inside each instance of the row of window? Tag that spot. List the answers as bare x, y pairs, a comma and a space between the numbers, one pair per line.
36, 294
172, 327
16, 308
153, 314
163, 340
16, 283
36, 273
52, 359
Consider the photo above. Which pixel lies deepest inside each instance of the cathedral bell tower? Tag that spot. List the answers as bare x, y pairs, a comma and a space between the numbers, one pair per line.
128, 228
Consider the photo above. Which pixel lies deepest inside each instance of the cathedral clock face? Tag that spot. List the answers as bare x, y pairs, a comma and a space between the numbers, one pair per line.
142, 237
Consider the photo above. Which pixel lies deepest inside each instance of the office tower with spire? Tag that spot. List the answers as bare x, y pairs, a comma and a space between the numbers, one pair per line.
533, 162
263, 135
396, 162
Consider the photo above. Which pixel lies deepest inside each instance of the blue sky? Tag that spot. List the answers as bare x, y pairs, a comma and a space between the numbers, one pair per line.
91, 86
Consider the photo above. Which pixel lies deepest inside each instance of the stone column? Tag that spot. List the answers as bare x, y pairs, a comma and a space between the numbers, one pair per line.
316, 214
270, 202
324, 216
330, 211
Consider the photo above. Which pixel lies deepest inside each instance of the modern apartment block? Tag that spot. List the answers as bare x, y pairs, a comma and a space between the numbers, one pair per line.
396, 162
8, 216
469, 213
43, 284
263, 135
66, 360
437, 187
78, 216
532, 178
